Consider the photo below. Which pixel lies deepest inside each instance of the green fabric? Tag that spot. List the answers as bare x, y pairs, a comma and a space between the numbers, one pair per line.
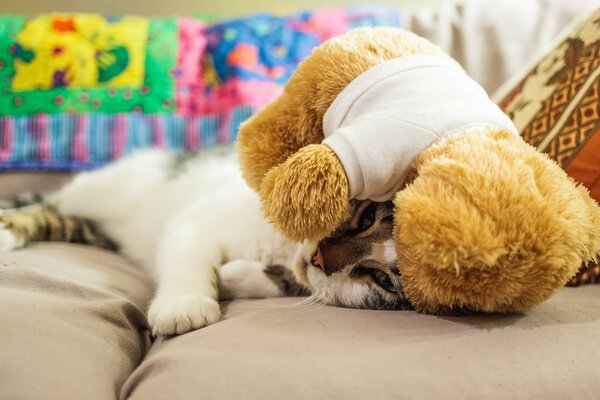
155, 94
9, 27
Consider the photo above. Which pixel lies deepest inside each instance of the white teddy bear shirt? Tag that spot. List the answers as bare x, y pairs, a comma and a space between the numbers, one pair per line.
392, 112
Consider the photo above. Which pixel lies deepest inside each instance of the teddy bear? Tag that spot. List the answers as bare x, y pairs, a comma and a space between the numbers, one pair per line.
482, 221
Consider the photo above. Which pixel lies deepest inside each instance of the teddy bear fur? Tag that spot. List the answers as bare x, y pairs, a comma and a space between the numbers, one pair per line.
488, 223
276, 142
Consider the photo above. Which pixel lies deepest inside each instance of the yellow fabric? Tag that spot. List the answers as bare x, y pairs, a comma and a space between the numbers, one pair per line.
81, 45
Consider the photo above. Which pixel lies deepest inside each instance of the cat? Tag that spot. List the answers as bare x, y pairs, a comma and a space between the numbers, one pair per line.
190, 220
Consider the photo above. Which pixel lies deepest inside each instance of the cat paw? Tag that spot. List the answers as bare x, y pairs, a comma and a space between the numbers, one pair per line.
181, 314
241, 279
8, 240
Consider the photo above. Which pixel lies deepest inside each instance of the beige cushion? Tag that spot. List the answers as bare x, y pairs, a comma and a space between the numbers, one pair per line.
72, 326
71, 322
271, 350
17, 182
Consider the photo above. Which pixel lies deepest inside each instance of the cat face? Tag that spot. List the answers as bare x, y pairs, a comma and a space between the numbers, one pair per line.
356, 266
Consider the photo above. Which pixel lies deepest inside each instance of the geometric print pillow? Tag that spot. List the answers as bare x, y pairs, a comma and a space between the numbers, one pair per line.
556, 107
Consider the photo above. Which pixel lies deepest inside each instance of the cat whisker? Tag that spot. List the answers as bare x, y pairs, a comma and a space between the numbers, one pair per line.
307, 304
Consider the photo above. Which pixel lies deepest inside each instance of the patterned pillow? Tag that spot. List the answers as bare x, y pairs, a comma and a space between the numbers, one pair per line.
79, 90
556, 106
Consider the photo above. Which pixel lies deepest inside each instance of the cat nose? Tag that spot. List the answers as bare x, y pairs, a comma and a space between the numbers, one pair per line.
317, 260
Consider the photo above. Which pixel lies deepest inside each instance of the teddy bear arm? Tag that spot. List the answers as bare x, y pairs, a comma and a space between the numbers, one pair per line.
490, 225
306, 197
273, 134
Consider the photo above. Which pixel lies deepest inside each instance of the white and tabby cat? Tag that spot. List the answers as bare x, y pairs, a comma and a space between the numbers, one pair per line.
190, 219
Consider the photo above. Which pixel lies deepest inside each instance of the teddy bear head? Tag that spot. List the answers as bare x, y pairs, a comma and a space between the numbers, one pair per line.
285, 136
482, 221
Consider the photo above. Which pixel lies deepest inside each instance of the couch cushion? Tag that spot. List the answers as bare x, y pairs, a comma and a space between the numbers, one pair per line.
270, 349
71, 322
556, 103
18, 182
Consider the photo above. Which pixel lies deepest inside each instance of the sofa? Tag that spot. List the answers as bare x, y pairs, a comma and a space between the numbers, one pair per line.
72, 318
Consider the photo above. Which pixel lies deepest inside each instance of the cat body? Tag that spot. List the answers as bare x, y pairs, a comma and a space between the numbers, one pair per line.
142, 200
190, 220
181, 217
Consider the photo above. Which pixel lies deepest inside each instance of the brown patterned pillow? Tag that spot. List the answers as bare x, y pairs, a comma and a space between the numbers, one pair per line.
556, 107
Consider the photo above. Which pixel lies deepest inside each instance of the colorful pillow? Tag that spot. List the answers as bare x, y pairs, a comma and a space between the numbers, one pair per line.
78, 90
556, 106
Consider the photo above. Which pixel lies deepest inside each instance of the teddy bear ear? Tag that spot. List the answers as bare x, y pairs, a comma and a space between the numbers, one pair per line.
490, 225
262, 144
306, 197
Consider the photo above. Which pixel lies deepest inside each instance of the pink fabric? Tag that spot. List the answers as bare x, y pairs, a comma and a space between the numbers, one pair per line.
7, 126
80, 148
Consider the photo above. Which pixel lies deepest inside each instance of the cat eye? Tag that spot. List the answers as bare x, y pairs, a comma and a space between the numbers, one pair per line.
378, 276
389, 218
367, 218
383, 280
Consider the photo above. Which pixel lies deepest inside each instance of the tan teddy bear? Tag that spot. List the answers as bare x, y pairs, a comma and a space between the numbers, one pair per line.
483, 222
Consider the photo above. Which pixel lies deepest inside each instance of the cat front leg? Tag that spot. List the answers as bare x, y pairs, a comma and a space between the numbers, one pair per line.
244, 279
186, 297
